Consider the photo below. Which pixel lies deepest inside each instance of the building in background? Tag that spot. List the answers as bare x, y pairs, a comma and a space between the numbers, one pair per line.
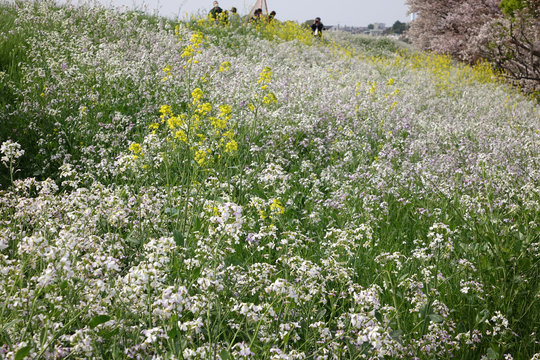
376, 29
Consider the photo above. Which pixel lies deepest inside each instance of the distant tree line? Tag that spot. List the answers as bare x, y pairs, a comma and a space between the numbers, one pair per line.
398, 28
506, 33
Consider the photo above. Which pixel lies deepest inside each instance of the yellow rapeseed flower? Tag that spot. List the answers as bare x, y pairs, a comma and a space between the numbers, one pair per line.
231, 146
174, 122
180, 134
135, 148
373, 88
218, 123
224, 110
224, 66
165, 111
200, 156
270, 98
229, 134
276, 207
197, 95
206, 107
266, 75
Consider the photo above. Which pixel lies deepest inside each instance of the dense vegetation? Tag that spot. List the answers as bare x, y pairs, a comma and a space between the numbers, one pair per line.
200, 190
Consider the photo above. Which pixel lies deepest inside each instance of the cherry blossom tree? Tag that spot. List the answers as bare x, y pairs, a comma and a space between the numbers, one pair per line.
447, 26
512, 42
505, 33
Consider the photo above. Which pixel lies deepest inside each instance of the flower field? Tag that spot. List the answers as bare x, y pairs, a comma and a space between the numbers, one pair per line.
222, 191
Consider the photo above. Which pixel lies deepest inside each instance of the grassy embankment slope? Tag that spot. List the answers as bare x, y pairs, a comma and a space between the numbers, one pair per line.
240, 191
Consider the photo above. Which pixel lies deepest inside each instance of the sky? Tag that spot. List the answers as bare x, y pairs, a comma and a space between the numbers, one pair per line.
332, 12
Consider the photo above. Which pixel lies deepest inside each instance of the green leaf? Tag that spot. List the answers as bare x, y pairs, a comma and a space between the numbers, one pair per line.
492, 354
98, 320
423, 310
286, 338
436, 318
173, 333
23, 352
482, 316
179, 238
43, 336
63, 285
133, 241
321, 314
225, 355
106, 334
172, 212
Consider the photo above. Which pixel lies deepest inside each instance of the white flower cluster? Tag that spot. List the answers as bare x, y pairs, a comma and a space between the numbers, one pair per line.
11, 151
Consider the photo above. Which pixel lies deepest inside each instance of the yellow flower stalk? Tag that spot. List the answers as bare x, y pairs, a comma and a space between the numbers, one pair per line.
276, 207
200, 157
206, 107
165, 111
174, 122
266, 76
224, 66
180, 134
218, 123
197, 95
135, 148
270, 98
231, 146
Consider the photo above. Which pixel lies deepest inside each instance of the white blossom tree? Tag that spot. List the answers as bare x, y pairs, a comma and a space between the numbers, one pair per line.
506, 33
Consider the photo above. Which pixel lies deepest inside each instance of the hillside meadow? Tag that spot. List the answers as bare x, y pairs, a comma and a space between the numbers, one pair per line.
193, 190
